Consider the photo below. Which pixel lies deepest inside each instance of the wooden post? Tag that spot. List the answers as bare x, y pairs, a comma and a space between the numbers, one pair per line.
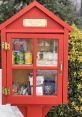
34, 111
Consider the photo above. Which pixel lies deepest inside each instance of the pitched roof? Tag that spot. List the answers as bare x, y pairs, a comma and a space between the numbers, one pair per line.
42, 8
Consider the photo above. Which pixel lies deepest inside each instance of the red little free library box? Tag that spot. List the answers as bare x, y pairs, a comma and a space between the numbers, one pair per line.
34, 60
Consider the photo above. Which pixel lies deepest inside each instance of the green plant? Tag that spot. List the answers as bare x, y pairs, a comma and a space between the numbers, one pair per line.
74, 107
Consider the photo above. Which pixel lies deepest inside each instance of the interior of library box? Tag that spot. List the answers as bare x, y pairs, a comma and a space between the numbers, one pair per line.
23, 54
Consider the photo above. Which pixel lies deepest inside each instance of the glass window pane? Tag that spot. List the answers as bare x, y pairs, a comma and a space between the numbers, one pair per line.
22, 51
46, 82
21, 82
47, 54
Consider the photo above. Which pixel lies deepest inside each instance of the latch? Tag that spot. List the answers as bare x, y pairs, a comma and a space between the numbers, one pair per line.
6, 91
61, 68
5, 45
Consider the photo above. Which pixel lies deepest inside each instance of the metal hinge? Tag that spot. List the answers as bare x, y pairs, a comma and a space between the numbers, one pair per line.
6, 91
5, 45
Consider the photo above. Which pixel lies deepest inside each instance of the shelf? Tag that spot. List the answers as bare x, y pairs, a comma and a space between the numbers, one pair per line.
22, 66
37, 67
47, 67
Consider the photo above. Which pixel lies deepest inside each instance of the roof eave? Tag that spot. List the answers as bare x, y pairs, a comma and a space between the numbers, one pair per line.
42, 8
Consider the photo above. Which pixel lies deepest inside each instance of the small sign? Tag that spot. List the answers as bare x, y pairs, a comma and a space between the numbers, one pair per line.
35, 23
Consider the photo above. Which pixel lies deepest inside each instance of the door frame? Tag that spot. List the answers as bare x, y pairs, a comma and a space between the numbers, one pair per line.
35, 99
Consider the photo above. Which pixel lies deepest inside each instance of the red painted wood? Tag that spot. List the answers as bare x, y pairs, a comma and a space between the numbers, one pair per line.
43, 109
34, 99
22, 67
46, 109
40, 8
3, 63
38, 36
9, 66
60, 78
19, 14
47, 67
34, 110
65, 70
52, 31
51, 15
34, 69
35, 13
23, 109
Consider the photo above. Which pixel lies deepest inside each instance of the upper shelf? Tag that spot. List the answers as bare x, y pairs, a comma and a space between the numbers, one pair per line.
31, 67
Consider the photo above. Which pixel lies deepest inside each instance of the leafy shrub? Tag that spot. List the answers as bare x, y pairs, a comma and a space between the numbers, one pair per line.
74, 106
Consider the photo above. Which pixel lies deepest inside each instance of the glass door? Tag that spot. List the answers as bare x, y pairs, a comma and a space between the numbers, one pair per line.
47, 52
47, 62
22, 59
34, 70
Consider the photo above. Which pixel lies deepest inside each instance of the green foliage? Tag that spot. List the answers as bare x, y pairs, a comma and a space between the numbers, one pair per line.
74, 107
